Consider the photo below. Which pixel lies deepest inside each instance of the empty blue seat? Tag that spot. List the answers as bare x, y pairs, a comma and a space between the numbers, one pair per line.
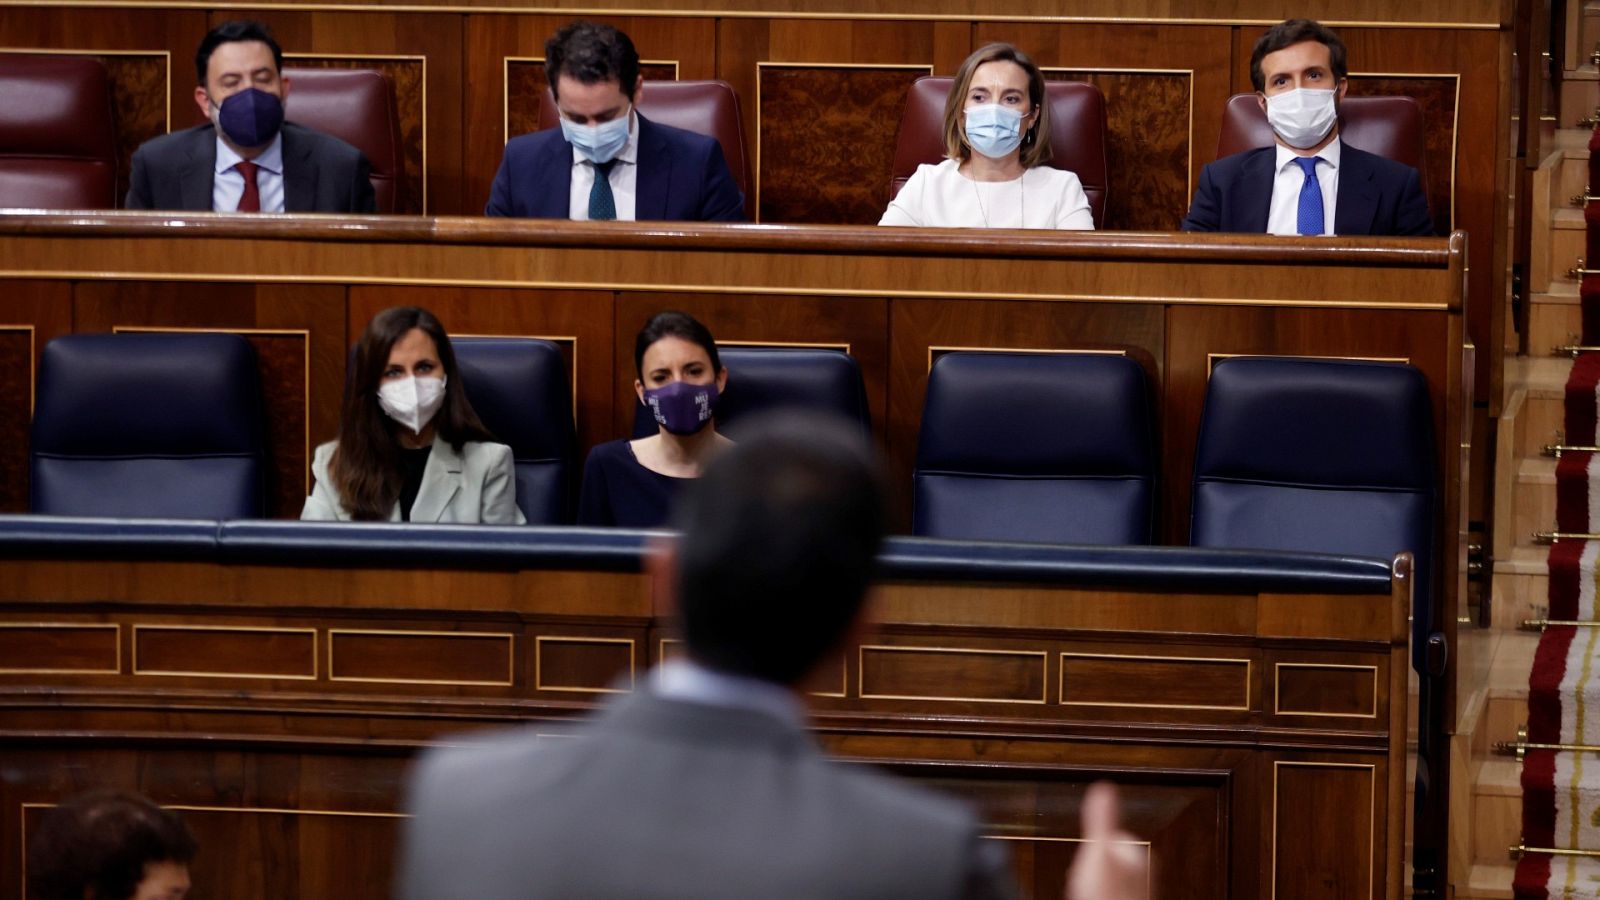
767, 378
1043, 447
520, 389
148, 425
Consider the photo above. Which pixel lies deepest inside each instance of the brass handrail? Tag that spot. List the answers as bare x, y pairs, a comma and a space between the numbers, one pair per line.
1550, 537
1573, 350
1519, 849
1557, 449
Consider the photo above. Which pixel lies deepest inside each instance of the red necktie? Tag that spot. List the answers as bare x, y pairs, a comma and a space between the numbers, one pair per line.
251, 201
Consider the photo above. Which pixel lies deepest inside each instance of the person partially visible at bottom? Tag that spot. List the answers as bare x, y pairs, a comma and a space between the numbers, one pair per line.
109, 845
632, 483
996, 143
410, 448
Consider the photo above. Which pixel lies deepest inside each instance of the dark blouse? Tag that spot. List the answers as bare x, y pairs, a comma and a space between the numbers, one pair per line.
412, 463
618, 491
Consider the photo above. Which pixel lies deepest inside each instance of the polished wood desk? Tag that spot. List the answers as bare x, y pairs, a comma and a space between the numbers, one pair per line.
271, 680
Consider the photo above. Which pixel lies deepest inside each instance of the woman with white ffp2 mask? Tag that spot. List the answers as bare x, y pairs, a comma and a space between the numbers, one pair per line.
410, 448
997, 141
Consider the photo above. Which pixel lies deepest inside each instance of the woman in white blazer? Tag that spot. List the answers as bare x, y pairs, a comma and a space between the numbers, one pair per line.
410, 448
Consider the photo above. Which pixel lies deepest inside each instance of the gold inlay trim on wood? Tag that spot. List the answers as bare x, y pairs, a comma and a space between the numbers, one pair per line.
166, 60
505, 84
1277, 705
116, 644
305, 357
1455, 121
538, 663
154, 626
399, 57
1148, 658
1044, 680
802, 345
935, 351
1213, 358
926, 69
511, 656
1372, 816
1188, 171
33, 362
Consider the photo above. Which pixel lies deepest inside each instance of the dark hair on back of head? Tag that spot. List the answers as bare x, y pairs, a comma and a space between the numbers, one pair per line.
591, 53
227, 33
671, 323
780, 537
97, 845
1296, 31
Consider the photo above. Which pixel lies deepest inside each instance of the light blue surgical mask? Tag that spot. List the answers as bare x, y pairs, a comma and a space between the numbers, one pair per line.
598, 143
994, 130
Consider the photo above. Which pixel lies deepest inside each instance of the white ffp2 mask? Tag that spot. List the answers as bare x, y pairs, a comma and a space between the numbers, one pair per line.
1302, 117
412, 401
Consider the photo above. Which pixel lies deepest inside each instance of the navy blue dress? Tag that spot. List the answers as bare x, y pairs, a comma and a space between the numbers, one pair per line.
618, 491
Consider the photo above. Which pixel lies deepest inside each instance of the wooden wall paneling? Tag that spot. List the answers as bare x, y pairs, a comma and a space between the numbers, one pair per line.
859, 324
32, 313
281, 331
1196, 336
1165, 86
579, 320
429, 89
920, 328
1325, 820
827, 97
499, 70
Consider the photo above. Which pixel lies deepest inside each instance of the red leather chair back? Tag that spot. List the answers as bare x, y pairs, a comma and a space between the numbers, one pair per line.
356, 106
710, 108
58, 145
1390, 127
1077, 134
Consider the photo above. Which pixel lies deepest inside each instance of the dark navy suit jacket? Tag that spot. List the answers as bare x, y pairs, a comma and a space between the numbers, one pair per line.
320, 172
1377, 196
682, 177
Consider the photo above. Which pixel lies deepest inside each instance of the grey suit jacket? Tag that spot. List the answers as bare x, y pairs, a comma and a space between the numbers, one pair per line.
666, 798
477, 486
320, 173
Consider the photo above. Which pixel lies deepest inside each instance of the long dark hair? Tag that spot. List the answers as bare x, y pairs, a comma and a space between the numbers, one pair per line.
366, 464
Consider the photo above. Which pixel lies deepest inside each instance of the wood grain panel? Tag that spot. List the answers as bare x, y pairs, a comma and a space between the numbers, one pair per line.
1097, 679
1320, 689
45, 647
494, 99
396, 657
1322, 837
1147, 146
1439, 101
408, 78
525, 88
591, 665
952, 674
32, 313
225, 651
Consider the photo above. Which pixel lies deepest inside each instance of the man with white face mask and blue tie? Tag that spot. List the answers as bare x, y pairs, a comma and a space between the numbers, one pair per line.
1310, 182
606, 161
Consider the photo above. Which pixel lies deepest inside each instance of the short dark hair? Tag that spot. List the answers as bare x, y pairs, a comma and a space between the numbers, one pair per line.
779, 540
671, 323
227, 33
1295, 31
98, 845
591, 53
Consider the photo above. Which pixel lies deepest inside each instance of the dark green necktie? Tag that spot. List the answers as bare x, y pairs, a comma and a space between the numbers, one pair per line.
602, 206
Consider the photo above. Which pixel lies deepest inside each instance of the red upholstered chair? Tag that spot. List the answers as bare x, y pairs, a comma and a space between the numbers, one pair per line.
1077, 134
58, 145
356, 106
710, 108
1390, 127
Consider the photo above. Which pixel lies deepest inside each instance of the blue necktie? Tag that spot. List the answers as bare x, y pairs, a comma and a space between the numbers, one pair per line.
603, 206
1309, 220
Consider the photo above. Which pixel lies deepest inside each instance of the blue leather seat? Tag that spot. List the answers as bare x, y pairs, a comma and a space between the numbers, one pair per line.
1042, 447
767, 378
149, 425
519, 388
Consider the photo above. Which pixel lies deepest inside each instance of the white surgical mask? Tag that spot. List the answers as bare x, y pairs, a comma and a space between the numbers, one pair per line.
598, 143
412, 401
1302, 117
993, 130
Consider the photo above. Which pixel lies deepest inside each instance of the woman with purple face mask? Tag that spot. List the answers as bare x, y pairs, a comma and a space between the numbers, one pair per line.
632, 483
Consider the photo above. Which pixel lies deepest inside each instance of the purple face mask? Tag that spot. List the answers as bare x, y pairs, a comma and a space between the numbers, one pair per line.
681, 407
250, 118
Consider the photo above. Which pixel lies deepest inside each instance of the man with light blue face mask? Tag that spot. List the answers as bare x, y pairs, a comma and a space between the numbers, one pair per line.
1310, 182
606, 161
247, 158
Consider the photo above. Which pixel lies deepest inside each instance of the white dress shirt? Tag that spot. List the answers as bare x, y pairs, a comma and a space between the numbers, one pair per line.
939, 196
684, 679
227, 184
624, 179
1283, 216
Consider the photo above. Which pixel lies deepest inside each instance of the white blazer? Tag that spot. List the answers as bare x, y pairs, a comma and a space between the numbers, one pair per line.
477, 486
